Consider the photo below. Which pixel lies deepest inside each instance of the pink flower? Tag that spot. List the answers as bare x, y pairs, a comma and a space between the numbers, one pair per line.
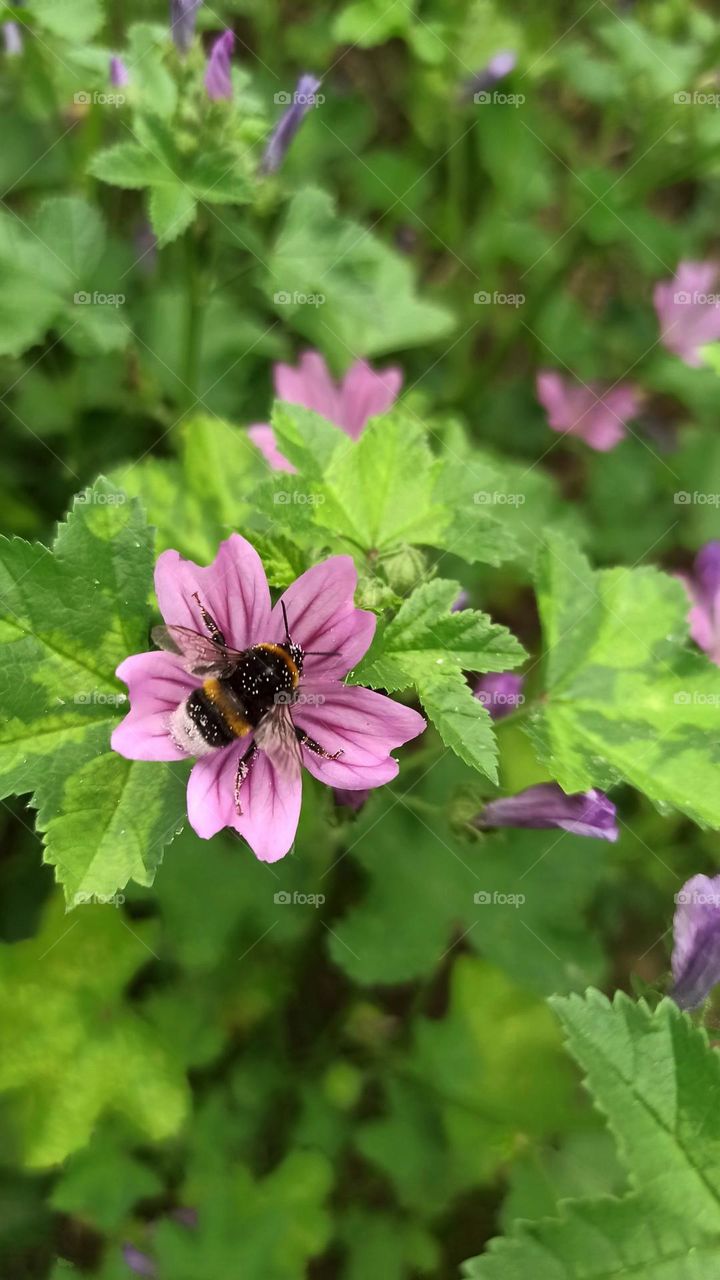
596, 415
342, 734
703, 588
218, 73
688, 311
362, 394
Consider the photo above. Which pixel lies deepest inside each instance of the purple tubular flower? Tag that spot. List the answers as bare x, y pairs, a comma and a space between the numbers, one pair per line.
354, 800
12, 37
703, 588
500, 693
119, 74
588, 813
363, 393
183, 16
461, 603
499, 66
139, 1262
696, 949
289, 123
362, 727
688, 310
218, 80
595, 414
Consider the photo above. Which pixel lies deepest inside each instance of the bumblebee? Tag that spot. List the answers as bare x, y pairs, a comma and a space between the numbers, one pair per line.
243, 691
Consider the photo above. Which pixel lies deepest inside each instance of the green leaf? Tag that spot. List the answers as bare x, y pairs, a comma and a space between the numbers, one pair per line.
75, 20
75, 233
426, 641
75, 1049
127, 164
654, 1076
172, 209
69, 616
368, 306
462, 722
100, 1184
626, 698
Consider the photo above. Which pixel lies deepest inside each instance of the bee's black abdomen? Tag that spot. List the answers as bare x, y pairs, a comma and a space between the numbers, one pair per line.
208, 719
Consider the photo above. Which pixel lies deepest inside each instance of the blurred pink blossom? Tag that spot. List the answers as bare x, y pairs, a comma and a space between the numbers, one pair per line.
595, 413
688, 310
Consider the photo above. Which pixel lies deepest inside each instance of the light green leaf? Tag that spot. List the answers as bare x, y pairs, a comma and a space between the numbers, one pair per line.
69, 616
654, 1076
626, 697
75, 1049
75, 20
172, 209
368, 303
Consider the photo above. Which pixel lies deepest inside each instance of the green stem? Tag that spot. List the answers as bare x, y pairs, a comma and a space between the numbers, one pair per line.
193, 321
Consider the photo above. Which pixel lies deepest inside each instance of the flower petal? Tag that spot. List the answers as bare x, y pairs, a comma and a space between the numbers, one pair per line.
365, 393
362, 724
233, 589
263, 437
157, 684
270, 801
310, 385
322, 616
696, 950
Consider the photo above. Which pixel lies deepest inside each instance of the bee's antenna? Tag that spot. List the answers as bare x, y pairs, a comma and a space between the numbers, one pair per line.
322, 653
284, 614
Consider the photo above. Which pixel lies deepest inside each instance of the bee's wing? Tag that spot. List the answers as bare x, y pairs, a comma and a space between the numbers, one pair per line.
275, 735
201, 655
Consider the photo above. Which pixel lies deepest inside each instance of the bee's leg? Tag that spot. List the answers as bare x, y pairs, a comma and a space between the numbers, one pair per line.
245, 764
314, 746
212, 626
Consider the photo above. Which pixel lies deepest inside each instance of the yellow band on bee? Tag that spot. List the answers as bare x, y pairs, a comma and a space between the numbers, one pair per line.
215, 693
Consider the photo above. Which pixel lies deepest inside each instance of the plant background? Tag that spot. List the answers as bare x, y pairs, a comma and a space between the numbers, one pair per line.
374, 1084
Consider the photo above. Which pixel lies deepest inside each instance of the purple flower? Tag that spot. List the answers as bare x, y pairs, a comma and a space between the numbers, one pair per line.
218, 80
495, 70
183, 15
596, 415
289, 123
461, 603
588, 813
362, 394
703, 588
688, 310
696, 950
119, 74
138, 1262
346, 732
350, 799
12, 37
500, 693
